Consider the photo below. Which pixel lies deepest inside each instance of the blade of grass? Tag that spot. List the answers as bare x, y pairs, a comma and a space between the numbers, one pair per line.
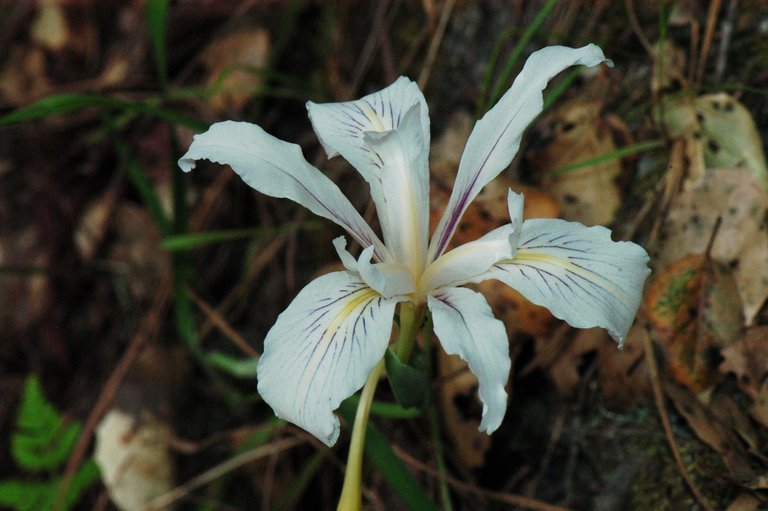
562, 85
61, 104
138, 178
389, 410
157, 20
501, 82
197, 239
394, 471
609, 156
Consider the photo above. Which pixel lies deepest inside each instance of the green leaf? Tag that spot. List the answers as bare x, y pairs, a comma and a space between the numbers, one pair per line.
238, 367
397, 475
501, 82
61, 104
41, 496
408, 383
43, 440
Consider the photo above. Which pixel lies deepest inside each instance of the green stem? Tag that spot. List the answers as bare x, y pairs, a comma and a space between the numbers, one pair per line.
351, 496
411, 317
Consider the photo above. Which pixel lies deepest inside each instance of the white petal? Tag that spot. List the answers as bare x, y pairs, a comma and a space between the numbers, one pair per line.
278, 168
467, 261
464, 263
466, 327
387, 279
340, 126
404, 175
496, 137
578, 273
321, 350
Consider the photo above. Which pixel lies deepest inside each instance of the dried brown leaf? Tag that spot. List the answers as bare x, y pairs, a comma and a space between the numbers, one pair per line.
589, 194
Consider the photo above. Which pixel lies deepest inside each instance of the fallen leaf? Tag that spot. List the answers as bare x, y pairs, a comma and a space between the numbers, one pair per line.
590, 194
233, 63
137, 247
134, 458
49, 28
623, 374
711, 430
722, 126
745, 502
747, 358
741, 244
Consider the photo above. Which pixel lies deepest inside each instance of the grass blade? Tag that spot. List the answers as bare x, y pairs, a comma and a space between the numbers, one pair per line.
609, 156
61, 104
501, 82
157, 19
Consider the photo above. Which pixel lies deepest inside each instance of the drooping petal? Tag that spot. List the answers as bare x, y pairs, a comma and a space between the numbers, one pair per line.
341, 126
278, 168
578, 273
387, 279
466, 327
404, 210
321, 350
496, 137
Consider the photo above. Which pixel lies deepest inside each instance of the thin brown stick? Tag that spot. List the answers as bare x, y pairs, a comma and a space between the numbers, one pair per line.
109, 389
658, 396
434, 45
635, 24
219, 470
714, 9
506, 498
223, 325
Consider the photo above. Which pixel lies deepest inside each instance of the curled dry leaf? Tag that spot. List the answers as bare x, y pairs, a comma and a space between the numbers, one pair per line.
233, 63
741, 244
590, 194
134, 458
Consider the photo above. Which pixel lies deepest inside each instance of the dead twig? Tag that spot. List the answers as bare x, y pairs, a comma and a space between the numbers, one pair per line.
506, 498
658, 396
107, 394
165, 500
714, 9
217, 320
434, 45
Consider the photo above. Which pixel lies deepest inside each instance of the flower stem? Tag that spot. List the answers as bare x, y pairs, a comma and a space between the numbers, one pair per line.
351, 496
411, 318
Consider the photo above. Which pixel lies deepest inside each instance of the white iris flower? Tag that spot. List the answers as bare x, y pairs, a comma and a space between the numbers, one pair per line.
324, 345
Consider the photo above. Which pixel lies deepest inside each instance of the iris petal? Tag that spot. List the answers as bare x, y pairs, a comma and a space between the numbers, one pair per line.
278, 169
321, 350
578, 273
496, 137
466, 327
